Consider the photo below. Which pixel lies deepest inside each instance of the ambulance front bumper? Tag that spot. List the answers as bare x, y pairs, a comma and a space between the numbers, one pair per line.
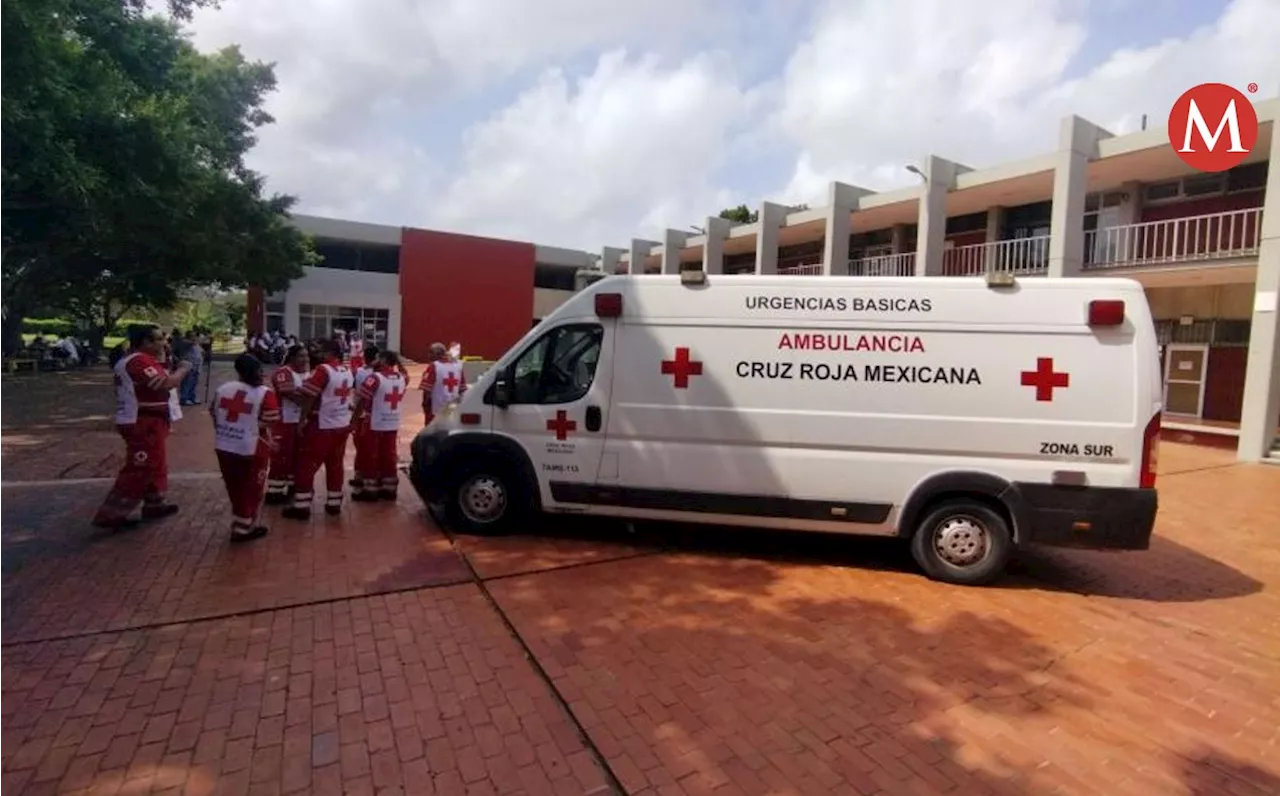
1094, 518
424, 465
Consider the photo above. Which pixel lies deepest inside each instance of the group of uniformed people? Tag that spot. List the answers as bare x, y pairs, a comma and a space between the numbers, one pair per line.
272, 436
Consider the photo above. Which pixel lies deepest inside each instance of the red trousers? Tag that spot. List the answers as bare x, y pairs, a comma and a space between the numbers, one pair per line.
366, 455
282, 459
384, 459
320, 447
246, 480
144, 476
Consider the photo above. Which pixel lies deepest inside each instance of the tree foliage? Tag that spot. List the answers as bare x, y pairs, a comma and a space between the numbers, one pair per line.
740, 214
123, 163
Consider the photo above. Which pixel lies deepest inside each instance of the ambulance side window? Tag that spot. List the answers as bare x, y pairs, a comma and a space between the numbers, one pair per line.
559, 367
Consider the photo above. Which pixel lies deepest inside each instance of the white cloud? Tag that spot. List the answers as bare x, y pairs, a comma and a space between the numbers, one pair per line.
947, 77
628, 148
388, 110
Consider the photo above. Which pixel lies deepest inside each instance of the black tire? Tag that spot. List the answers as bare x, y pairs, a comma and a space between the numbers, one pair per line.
485, 497
976, 531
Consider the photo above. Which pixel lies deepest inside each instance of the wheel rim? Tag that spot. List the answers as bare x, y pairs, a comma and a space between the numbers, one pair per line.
482, 499
961, 541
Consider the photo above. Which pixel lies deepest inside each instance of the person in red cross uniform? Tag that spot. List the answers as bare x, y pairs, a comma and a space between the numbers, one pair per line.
143, 416
287, 381
378, 399
324, 438
245, 413
360, 425
443, 382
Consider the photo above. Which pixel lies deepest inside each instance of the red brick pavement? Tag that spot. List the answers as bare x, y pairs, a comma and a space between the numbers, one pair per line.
422, 692
62, 578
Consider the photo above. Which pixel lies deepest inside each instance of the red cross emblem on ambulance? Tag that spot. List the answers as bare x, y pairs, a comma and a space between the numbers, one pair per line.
1045, 379
681, 368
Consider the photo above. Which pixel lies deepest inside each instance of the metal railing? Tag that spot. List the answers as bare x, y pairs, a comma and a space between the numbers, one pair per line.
1017, 255
1218, 236
903, 264
811, 269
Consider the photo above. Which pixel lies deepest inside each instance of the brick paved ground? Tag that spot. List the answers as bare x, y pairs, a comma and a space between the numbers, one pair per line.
361, 656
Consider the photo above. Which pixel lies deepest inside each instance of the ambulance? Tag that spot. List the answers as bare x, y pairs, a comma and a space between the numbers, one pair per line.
968, 416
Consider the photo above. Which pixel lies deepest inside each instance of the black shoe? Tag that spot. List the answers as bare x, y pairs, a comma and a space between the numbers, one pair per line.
296, 513
158, 511
355, 482
122, 524
248, 535
364, 497
276, 499
386, 495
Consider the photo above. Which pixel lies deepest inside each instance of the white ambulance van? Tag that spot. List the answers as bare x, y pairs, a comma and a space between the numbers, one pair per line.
969, 416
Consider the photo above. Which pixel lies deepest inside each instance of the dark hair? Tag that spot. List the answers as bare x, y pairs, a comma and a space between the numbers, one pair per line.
294, 350
140, 333
249, 369
370, 352
390, 357
329, 348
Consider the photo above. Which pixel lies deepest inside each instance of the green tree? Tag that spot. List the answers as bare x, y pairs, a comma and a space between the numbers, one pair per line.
123, 164
740, 214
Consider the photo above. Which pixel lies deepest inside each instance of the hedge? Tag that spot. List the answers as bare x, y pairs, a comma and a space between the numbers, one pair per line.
61, 327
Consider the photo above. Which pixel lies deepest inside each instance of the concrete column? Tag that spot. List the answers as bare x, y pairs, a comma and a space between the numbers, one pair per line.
292, 314
640, 249
772, 217
842, 200
610, 259
1077, 145
991, 255
673, 240
1261, 406
939, 178
713, 250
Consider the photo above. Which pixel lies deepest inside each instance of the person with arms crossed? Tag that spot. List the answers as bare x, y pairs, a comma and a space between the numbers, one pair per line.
143, 417
245, 413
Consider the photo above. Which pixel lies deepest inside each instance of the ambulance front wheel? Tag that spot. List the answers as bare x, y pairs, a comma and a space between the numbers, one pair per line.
484, 499
962, 541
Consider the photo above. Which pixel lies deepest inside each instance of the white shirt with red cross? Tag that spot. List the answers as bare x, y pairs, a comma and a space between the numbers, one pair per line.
446, 382
334, 385
384, 392
236, 411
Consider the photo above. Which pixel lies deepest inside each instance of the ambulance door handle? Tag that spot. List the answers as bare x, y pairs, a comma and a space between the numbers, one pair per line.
594, 418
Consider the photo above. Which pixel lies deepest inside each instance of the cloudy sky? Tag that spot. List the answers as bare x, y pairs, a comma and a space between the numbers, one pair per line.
586, 122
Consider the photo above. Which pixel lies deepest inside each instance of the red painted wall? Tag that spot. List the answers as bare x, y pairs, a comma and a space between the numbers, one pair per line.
1222, 203
254, 316
1224, 384
477, 291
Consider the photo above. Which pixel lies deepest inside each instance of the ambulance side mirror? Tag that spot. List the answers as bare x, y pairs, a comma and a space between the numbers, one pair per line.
502, 389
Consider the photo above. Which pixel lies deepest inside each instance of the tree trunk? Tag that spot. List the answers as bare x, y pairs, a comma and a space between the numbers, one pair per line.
12, 332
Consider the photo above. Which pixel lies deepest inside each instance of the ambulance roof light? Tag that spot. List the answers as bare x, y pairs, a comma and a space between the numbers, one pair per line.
608, 305
1106, 312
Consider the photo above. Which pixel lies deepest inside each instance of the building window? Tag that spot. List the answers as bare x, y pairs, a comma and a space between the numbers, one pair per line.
320, 321
1249, 177
970, 222
553, 277
370, 257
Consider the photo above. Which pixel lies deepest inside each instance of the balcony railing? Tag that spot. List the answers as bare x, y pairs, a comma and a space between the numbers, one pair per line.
1220, 236
811, 269
1018, 256
903, 264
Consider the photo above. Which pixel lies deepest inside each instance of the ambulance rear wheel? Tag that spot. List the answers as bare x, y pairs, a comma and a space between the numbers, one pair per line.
484, 499
962, 541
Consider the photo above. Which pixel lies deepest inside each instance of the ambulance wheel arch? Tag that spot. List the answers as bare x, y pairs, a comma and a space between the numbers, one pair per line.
480, 469
961, 528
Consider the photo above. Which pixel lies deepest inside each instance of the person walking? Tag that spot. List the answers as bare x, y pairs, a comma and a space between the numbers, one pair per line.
143, 418
378, 398
190, 350
245, 413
